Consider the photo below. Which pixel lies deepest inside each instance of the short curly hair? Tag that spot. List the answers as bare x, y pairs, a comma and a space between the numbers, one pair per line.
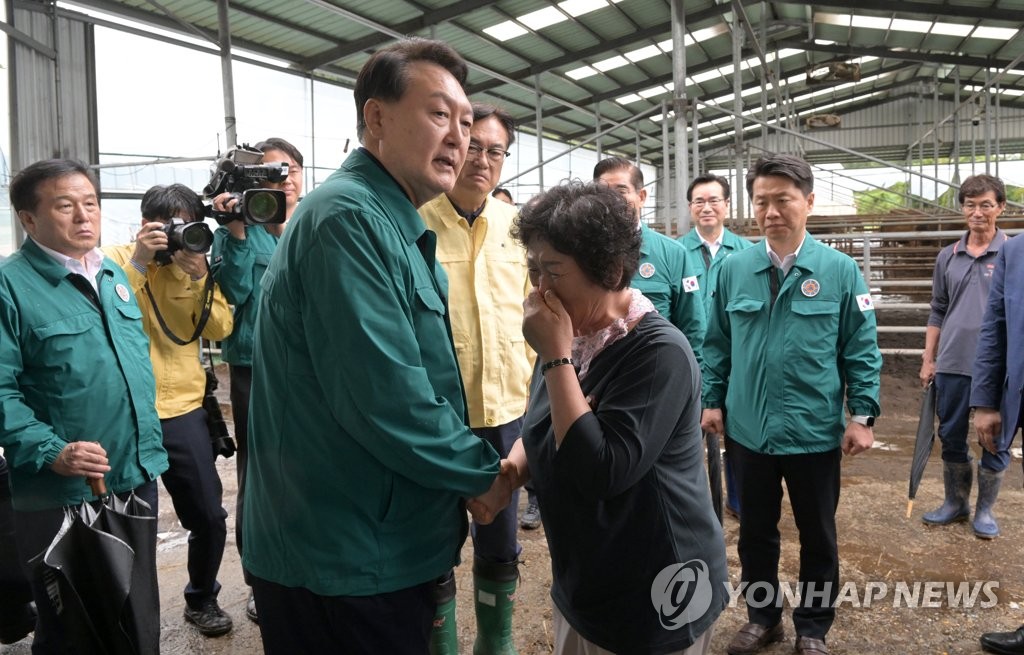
591, 223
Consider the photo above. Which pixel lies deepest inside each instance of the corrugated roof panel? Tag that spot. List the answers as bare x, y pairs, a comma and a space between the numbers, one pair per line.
313, 35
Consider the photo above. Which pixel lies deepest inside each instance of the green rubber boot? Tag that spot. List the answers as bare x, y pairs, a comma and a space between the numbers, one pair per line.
444, 637
494, 597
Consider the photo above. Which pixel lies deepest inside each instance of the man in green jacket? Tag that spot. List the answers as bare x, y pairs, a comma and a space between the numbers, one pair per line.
792, 331
360, 453
666, 276
77, 396
710, 242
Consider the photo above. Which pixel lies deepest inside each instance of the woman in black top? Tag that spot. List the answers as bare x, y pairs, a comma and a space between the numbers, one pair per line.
612, 439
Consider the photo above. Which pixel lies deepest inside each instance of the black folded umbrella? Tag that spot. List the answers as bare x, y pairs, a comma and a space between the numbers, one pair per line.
715, 472
922, 443
100, 575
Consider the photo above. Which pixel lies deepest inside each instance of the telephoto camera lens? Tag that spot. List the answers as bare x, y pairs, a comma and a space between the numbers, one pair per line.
196, 237
262, 206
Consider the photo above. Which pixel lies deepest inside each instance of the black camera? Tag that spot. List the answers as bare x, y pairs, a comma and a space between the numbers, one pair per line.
242, 174
193, 237
220, 438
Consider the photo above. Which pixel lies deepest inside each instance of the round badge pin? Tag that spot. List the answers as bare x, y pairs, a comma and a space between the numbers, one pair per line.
122, 292
810, 288
646, 270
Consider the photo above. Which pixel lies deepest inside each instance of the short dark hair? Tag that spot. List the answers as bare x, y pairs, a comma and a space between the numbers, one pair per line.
795, 168
276, 143
483, 110
166, 202
977, 185
591, 223
707, 178
384, 76
26, 183
636, 176
501, 190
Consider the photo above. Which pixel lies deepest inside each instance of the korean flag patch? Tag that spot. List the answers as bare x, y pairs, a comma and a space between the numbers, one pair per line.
690, 284
865, 303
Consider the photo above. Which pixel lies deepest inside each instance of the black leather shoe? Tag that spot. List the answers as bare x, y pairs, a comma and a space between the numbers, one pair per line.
811, 646
1006, 643
209, 618
16, 627
752, 637
250, 609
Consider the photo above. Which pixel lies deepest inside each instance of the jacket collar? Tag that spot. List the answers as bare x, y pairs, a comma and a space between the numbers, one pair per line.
806, 261
400, 209
46, 266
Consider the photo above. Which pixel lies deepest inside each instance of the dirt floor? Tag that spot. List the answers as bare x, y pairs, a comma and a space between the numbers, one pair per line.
878, 546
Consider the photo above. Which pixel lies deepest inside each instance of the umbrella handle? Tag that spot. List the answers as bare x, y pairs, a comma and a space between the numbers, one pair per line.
99, 488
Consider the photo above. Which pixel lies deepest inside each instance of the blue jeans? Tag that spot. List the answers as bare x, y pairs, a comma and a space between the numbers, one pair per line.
953, 407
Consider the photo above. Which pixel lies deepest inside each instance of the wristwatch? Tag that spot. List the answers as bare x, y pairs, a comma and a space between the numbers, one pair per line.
866, 421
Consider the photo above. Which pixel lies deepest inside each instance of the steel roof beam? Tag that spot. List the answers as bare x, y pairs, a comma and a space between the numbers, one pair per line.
926, 8
888, 53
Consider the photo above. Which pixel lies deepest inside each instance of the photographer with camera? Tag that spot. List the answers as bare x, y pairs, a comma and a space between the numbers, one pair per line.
241, 253
167, 271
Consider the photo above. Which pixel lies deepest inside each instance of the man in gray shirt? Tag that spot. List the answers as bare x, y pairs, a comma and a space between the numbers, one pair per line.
963, 275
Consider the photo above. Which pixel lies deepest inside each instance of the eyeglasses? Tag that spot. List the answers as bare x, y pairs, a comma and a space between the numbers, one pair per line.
700, 202
496, 155
985, 206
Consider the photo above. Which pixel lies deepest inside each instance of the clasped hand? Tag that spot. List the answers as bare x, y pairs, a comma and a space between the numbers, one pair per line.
486, 508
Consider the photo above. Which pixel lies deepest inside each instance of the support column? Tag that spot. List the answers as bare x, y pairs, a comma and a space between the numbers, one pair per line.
680, 105
737, 119
666, 172
540, 133
987, 99
227, 78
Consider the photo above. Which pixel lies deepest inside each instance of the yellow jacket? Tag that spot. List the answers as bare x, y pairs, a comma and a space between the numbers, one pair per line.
180, 381
487, 282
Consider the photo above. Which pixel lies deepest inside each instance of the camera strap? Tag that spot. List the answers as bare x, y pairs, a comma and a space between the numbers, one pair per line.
204, 316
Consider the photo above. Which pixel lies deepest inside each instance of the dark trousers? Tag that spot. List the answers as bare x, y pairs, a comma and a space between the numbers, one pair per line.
196, 493
953, 407
15, 591
241, 385
297, 621
732, 488
497, 542
812, 481
36, 531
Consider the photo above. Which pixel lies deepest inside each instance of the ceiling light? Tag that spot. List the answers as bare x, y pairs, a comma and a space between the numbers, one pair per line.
579, 7
505, 31
537, 20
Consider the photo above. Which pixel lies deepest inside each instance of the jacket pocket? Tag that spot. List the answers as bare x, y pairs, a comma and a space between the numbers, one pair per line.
744, 306
130, 311
430, 299
814, 328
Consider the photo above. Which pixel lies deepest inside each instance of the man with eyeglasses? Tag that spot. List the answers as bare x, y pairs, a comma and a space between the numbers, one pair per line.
710, 242
666, 275
960, 289
487, 281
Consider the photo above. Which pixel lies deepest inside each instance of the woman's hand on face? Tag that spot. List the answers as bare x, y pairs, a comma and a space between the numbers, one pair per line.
546, 325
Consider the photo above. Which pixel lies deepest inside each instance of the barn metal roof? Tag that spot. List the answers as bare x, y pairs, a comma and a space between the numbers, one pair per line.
603, 62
